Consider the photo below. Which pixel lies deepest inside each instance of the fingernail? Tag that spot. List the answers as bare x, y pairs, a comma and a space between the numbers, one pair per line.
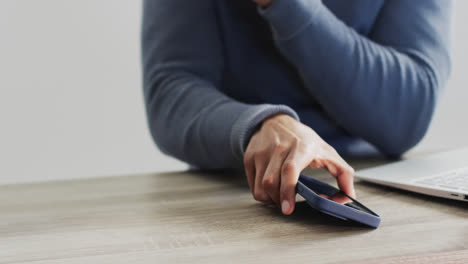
285, 207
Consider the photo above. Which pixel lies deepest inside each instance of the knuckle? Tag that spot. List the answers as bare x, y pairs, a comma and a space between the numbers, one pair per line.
347, 171
259, 196
247, 159
250, 149
288, 168
280, 148
268, 182
262, 154
247, 154
297, 141
256, 195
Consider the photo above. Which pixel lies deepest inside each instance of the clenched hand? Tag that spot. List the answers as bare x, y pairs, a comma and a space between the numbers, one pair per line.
279, 151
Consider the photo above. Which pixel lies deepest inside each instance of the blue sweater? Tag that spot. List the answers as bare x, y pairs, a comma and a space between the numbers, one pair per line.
360, 73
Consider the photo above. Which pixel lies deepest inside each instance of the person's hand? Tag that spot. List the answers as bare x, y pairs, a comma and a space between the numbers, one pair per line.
279, 151
263, 3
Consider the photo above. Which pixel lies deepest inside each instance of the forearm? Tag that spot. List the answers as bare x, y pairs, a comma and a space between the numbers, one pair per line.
189, 118
374, 92
385, 95
192, 121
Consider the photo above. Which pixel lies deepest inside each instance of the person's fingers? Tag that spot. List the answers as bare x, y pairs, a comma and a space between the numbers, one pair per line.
249, 167
295, 162
340, 198
342, 171
272, 177
345, 180
259, 191
338, 168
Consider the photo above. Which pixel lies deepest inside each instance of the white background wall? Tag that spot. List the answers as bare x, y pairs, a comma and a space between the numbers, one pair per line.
70, 92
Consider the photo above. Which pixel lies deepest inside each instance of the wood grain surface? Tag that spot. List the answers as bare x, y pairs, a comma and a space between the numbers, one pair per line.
210, 217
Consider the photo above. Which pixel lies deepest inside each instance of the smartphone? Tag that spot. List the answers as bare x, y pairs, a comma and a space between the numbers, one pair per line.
331, 201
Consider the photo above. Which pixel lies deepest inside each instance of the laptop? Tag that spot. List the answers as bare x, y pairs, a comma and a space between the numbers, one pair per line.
443, 174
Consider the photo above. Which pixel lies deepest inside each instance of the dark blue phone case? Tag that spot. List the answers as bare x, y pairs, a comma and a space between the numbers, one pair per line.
308, 188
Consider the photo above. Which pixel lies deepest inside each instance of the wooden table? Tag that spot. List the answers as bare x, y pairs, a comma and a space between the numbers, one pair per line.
198, 217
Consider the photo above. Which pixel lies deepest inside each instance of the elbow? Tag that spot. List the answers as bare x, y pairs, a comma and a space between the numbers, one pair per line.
178, 142
396, 143
162, 140
403, 137
158, 120
178, 148
411, 123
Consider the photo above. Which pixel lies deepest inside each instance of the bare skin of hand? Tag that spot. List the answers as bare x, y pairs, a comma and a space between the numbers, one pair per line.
263, 3
279, 151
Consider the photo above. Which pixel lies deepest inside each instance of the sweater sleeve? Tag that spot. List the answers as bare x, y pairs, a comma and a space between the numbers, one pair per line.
382, 87
189, 117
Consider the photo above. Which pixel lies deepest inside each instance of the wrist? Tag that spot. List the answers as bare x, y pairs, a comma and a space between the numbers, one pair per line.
280, 118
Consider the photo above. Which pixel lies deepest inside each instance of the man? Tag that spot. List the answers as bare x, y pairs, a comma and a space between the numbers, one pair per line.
276, 86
